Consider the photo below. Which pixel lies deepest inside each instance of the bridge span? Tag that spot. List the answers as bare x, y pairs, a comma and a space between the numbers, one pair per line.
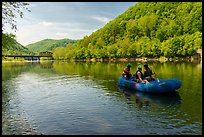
28, 57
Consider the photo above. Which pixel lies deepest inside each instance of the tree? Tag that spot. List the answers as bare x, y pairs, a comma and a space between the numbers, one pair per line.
59, 53
10, 10
7, 40
147, 29
147, 24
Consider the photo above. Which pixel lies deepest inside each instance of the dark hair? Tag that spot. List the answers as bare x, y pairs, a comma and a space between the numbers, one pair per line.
146, 65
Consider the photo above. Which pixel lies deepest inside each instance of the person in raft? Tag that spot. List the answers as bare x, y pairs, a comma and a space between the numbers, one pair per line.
148, 73
126, 72
140, 76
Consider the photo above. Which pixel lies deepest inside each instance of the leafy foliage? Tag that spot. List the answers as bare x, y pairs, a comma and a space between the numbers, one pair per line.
10, 10
14, 47
146, 29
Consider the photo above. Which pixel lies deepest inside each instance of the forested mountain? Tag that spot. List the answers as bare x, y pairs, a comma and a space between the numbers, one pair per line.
146, 29
49, 44
15, 48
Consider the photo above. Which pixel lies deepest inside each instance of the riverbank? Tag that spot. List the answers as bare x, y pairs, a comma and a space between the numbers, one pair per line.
143, 59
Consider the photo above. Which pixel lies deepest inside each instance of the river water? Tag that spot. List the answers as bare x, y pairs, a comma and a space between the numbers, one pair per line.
79, 98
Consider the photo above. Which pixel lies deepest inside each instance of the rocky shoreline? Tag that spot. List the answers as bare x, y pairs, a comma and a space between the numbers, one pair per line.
143, 59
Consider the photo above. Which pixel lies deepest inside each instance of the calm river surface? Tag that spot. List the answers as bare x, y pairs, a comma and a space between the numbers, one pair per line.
67, 98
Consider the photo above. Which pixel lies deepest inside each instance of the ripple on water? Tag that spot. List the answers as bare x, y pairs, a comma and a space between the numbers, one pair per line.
81, 105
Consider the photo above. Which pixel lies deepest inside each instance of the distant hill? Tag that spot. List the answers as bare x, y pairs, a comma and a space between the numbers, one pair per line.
15, 48
49, 44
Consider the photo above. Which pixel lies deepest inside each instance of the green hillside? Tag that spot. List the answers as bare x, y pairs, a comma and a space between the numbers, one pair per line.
15, 48
49, 44
146, 29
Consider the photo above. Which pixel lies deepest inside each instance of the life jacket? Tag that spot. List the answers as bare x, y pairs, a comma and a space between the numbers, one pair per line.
142, 76
148, 72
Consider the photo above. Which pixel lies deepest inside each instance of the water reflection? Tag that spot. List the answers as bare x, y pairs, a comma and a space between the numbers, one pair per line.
46, 64
145, 99
48, 87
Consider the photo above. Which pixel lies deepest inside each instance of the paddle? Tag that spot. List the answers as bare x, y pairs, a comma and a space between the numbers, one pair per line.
156, 77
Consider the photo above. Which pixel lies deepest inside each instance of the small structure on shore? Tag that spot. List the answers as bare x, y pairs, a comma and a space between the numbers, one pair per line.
197, 56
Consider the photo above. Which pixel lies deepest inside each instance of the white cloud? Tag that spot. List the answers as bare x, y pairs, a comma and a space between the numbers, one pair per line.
72, 20
44, 23
101, 19
28, 34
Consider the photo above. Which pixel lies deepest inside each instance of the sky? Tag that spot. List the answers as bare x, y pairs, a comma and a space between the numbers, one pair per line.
72, 20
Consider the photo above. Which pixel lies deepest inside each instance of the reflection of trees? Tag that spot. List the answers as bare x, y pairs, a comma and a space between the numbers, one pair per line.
13, 69
46, 64
106, 72
107, 75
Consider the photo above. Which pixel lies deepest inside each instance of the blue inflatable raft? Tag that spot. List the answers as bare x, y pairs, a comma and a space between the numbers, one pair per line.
157, 86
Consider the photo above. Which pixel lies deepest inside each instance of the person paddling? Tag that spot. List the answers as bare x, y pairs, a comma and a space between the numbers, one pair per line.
148, 73
139, 75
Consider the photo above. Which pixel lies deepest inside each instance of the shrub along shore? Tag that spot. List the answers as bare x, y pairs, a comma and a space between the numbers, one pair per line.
195, 58
144, 59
